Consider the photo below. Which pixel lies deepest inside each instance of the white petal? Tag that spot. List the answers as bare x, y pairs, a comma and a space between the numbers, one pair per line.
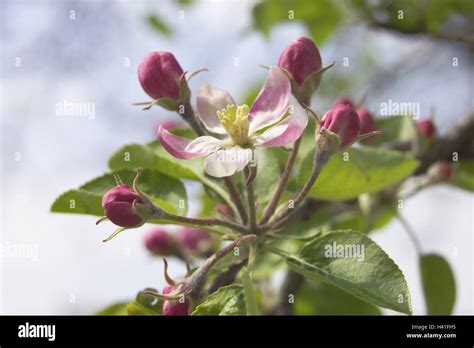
204, 145
211, 99
226, 162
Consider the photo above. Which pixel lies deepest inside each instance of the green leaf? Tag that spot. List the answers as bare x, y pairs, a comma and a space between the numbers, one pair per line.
394, 128
368, 273
463, 175
318, 298
366, 170
268, 175
266, 264
145, 304
119, 308
167, 192
135, 156
439, 285
321, 20
228, 300
78, 202
157, 23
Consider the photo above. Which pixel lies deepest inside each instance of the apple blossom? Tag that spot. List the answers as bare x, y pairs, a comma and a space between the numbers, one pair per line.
275, 119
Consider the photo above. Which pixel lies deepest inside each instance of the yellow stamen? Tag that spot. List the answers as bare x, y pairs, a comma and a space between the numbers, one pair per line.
236, 123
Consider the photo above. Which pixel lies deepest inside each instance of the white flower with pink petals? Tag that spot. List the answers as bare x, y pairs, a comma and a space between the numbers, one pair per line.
274, 119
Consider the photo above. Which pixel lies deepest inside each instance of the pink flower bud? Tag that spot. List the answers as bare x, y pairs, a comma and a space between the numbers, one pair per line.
441, 171
301, 58
118, 206
160, 242
159, 74
344, 101
343, 121
426, 127
367, 123
174, 307
196, 241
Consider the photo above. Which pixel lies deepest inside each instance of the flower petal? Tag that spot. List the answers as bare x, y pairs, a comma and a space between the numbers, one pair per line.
226, 162
210, 100
184, 148
204, 145
287, 131
272, 101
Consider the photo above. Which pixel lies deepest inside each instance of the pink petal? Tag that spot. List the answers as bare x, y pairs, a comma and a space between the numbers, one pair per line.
272, 101
287, 131
210, 100
226, 162
181, 147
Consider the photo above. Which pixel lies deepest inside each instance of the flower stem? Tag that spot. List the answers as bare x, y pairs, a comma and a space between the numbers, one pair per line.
198, 279
249, 293
191, 119
235, 196
252, 223
270, 208
320, 160
203, 221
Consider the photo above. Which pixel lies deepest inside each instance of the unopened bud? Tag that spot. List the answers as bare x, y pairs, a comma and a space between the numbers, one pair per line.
160, 242
159, 74
301, 58
426, 128
118, 206
343, 121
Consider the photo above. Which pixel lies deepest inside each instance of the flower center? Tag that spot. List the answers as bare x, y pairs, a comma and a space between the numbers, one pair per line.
236, 123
